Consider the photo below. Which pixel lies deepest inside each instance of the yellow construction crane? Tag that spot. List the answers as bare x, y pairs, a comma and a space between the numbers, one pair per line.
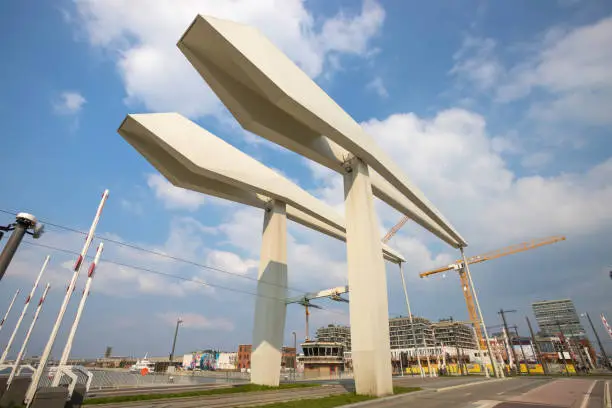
459, 267
394, 229
465, 282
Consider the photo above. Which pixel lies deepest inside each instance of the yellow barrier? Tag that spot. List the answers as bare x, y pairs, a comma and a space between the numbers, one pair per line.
533, 368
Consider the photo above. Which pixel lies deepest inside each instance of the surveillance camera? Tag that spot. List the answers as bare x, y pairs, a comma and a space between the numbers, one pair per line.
26, 218
39, 229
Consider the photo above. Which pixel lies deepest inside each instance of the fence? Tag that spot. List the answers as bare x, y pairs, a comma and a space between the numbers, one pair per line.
117, 379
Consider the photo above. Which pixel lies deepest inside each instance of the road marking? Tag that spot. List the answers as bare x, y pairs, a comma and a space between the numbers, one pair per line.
587, 396
607, 399
486, 403
470, 384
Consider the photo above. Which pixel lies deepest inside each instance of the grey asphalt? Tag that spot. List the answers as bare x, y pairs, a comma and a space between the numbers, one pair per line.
480, 394
513, 393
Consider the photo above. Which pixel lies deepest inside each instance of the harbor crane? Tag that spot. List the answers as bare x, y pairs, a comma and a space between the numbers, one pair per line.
305, 300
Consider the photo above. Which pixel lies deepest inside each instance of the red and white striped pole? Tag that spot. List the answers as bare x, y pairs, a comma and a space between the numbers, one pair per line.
68, 347
77, 268
9, 308
19, 358
605, 323
23, 312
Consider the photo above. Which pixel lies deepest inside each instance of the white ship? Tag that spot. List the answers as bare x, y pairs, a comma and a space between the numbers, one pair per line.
144, 363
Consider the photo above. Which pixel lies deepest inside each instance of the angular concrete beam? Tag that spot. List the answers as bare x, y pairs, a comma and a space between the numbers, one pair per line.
270, 96
169, 141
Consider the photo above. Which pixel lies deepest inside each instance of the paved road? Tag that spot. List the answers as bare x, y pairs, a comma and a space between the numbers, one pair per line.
514, 393
254, 398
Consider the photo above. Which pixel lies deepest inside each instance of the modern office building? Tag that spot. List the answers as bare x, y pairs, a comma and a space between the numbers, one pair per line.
555, 316
335, 334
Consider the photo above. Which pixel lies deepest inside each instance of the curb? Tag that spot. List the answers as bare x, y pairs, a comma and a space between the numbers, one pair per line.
383, 399
423, 391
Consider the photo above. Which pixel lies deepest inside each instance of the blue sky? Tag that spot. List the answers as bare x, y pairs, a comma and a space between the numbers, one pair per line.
498, 112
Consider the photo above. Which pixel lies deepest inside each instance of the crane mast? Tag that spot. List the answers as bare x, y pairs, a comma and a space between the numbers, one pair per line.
498, 253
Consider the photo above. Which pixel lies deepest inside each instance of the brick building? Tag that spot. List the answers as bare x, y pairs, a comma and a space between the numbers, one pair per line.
244, 357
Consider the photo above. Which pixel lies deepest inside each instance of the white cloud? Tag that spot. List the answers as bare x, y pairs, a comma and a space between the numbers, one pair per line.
174, 198
69, 103
196, 321
451, 157
566, 73
459, 167
114, 277
157, 75
378, 86
536, 160
351, 34
131, 206
475, 61
229, 261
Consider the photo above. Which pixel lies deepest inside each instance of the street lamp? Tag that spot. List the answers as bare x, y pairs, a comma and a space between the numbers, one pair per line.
178, 322
24, 223
601, 348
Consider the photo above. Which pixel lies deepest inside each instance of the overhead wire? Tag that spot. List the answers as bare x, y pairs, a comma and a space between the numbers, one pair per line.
168, 275
157, 253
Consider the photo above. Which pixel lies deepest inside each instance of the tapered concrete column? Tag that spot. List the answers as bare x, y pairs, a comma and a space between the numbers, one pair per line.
270, 306
368, 282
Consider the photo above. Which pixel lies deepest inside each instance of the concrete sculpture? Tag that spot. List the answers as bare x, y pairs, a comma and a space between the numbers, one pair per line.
270, 96
190, 157
193, 158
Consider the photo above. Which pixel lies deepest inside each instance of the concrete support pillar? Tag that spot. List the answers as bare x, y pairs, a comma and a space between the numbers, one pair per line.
270, 306
368, 282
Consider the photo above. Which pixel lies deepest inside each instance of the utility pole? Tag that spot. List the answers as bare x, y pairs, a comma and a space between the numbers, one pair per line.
562, 338
503, 312
23, 223
537, 347
601, 348
521, 346
178, 321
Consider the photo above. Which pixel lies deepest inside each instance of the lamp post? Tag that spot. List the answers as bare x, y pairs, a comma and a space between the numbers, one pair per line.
178, 322
411, 321
295, 354
24, 222
484, 328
